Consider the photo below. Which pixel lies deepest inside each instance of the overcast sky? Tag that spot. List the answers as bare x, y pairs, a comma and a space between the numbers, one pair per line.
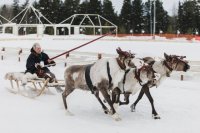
168, 4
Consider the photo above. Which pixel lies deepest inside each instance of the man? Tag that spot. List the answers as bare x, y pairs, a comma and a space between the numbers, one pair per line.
36, 64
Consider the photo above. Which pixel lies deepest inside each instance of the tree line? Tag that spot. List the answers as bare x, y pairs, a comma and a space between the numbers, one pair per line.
135, 16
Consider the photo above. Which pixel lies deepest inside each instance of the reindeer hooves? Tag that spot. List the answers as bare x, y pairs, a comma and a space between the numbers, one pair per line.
116, 117
68, 113
156, 117
106, 111
132, 108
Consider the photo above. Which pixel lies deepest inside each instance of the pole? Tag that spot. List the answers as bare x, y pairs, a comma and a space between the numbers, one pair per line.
154, 20
81, 46
150, 17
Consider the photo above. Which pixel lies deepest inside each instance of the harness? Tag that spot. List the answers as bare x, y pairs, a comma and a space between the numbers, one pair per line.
89, 81
165, 63
109, 76
137, 76
124, 79
121, 65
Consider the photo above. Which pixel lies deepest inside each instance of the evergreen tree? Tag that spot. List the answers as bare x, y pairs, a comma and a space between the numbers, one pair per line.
172, 28
162, 18
95, 7
71, 7
56, 16
84, 7
45, 7
125, 16
108, 11
4, 12
180, 22
188, 17
197, 17
148, 17
31, 17
26, 3
16, 11
25, 19
137, 16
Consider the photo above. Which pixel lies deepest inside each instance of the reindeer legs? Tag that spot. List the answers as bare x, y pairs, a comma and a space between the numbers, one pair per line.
154, 113
96, 93
107, 98
66, 92
145, 90
138, 99
126, 99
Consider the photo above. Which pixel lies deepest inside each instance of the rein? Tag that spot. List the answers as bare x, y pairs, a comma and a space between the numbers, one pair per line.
81, 46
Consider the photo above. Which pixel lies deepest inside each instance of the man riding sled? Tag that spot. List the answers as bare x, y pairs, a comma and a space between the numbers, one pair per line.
37, 63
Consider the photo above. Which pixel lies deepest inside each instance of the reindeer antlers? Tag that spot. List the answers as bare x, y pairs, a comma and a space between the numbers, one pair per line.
125, 53
180, 57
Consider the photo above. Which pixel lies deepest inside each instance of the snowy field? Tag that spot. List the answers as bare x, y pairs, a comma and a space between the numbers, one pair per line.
177, 102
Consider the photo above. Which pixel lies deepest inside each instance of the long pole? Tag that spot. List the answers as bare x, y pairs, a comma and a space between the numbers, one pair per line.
154, 20
150, 17
80, 46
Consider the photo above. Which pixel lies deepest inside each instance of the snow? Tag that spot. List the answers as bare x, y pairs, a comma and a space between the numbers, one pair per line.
176, 101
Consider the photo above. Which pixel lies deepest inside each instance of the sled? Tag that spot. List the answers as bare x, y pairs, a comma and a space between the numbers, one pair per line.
36, 87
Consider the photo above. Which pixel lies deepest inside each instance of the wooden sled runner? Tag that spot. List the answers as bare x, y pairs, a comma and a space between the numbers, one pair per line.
36, 86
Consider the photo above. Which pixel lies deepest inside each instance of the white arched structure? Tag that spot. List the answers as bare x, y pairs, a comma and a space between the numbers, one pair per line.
39, 27
2, 27
78, 22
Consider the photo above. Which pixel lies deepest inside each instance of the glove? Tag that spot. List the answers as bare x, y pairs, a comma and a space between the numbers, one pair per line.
53, 63
39, 71
38, 66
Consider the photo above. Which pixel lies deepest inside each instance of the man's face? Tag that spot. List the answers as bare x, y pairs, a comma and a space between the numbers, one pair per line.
38, 49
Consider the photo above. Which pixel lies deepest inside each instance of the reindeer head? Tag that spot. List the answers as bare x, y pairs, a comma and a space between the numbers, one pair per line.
176, 63
148, 75
125, 59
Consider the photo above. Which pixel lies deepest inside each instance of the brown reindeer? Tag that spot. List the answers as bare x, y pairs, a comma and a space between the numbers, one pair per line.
164, 68
102, 76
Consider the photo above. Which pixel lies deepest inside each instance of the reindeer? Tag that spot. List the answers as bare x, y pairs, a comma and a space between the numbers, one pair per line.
164, 68
104, 75
133, 81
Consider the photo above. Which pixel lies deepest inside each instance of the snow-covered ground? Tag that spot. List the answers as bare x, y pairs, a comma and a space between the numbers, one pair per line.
176, 101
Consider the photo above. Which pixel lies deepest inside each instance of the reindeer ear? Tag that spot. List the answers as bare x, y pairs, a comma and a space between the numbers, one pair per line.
119, 50
166, 56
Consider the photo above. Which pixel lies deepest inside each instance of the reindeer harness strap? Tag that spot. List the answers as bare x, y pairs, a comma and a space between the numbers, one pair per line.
88, 79
137, 76
165, 63
121, 65
109, 76
124, 79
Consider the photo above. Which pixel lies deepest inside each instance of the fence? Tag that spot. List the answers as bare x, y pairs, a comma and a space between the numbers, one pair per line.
167, 36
